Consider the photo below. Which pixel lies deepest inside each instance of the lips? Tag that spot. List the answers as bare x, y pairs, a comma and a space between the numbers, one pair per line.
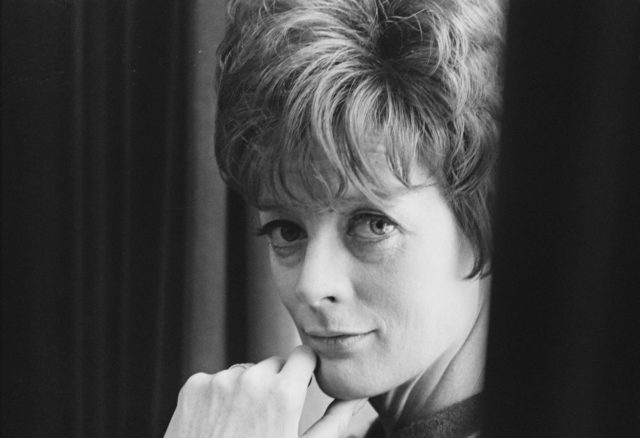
334, 333
338, 343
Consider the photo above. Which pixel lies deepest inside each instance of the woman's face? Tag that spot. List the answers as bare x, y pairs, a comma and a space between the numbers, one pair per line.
376, 290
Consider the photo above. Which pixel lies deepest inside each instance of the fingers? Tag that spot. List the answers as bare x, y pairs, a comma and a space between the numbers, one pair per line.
300, 365
294, 374
245, 400
242, 366
234, 371
272, 365
269, 366
335, 421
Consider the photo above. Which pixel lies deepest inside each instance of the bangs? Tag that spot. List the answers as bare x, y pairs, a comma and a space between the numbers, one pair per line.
322, 149
304, 118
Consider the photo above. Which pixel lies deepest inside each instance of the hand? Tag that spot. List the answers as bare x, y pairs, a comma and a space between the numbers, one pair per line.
260, 401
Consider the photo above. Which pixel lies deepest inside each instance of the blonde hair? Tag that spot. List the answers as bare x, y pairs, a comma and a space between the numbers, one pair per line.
303, 86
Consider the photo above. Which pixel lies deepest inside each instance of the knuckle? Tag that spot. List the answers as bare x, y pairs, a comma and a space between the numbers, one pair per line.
194, 384
197, 381
222, 381
251, 380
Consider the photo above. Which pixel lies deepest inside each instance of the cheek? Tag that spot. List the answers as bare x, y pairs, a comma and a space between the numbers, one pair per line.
416, 294
285, 278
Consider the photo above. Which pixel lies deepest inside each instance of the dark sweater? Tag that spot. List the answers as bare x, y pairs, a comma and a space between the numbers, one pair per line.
461, 420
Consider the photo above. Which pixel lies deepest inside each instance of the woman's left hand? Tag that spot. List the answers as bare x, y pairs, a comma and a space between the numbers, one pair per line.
255, 401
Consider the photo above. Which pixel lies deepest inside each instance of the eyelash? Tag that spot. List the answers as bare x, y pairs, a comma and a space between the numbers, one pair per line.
268, 228
364, 218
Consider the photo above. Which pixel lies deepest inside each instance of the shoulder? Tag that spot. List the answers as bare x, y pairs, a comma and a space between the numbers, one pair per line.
375, 431
461, 420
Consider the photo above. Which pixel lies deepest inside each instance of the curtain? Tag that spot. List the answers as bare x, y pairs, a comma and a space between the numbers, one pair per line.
95, 179
563, 345
126, 265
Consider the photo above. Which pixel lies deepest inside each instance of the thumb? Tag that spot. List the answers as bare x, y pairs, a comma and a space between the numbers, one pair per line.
335, 420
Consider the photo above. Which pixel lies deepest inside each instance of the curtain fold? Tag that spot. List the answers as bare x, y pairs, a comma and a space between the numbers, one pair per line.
94, 215
563, 349
126, 264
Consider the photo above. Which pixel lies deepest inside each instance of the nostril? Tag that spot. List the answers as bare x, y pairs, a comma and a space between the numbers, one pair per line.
324, 301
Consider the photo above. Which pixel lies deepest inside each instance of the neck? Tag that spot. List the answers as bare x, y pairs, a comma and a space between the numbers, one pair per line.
455, 376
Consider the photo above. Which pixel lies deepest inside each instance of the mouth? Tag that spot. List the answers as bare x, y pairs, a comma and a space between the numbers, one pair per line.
336, 344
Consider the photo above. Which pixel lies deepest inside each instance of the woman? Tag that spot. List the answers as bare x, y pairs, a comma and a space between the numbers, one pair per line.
365, 133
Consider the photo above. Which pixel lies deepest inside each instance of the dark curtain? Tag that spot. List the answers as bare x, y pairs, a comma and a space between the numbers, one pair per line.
94, 125
126, 266
563, 356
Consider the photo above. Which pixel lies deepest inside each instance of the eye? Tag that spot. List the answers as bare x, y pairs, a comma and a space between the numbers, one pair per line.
282, 233
371, 226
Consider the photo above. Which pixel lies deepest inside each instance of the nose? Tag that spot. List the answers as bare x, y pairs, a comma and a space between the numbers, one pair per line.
325, 277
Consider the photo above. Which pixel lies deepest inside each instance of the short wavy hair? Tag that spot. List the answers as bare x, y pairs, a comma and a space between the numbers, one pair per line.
304, 85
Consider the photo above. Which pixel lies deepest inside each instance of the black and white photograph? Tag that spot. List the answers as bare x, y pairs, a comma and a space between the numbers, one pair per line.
320, 219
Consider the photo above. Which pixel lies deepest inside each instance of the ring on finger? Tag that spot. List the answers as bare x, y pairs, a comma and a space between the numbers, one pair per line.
244, 366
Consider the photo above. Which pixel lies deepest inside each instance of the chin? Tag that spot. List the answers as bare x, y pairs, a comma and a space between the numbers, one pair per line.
345, 383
